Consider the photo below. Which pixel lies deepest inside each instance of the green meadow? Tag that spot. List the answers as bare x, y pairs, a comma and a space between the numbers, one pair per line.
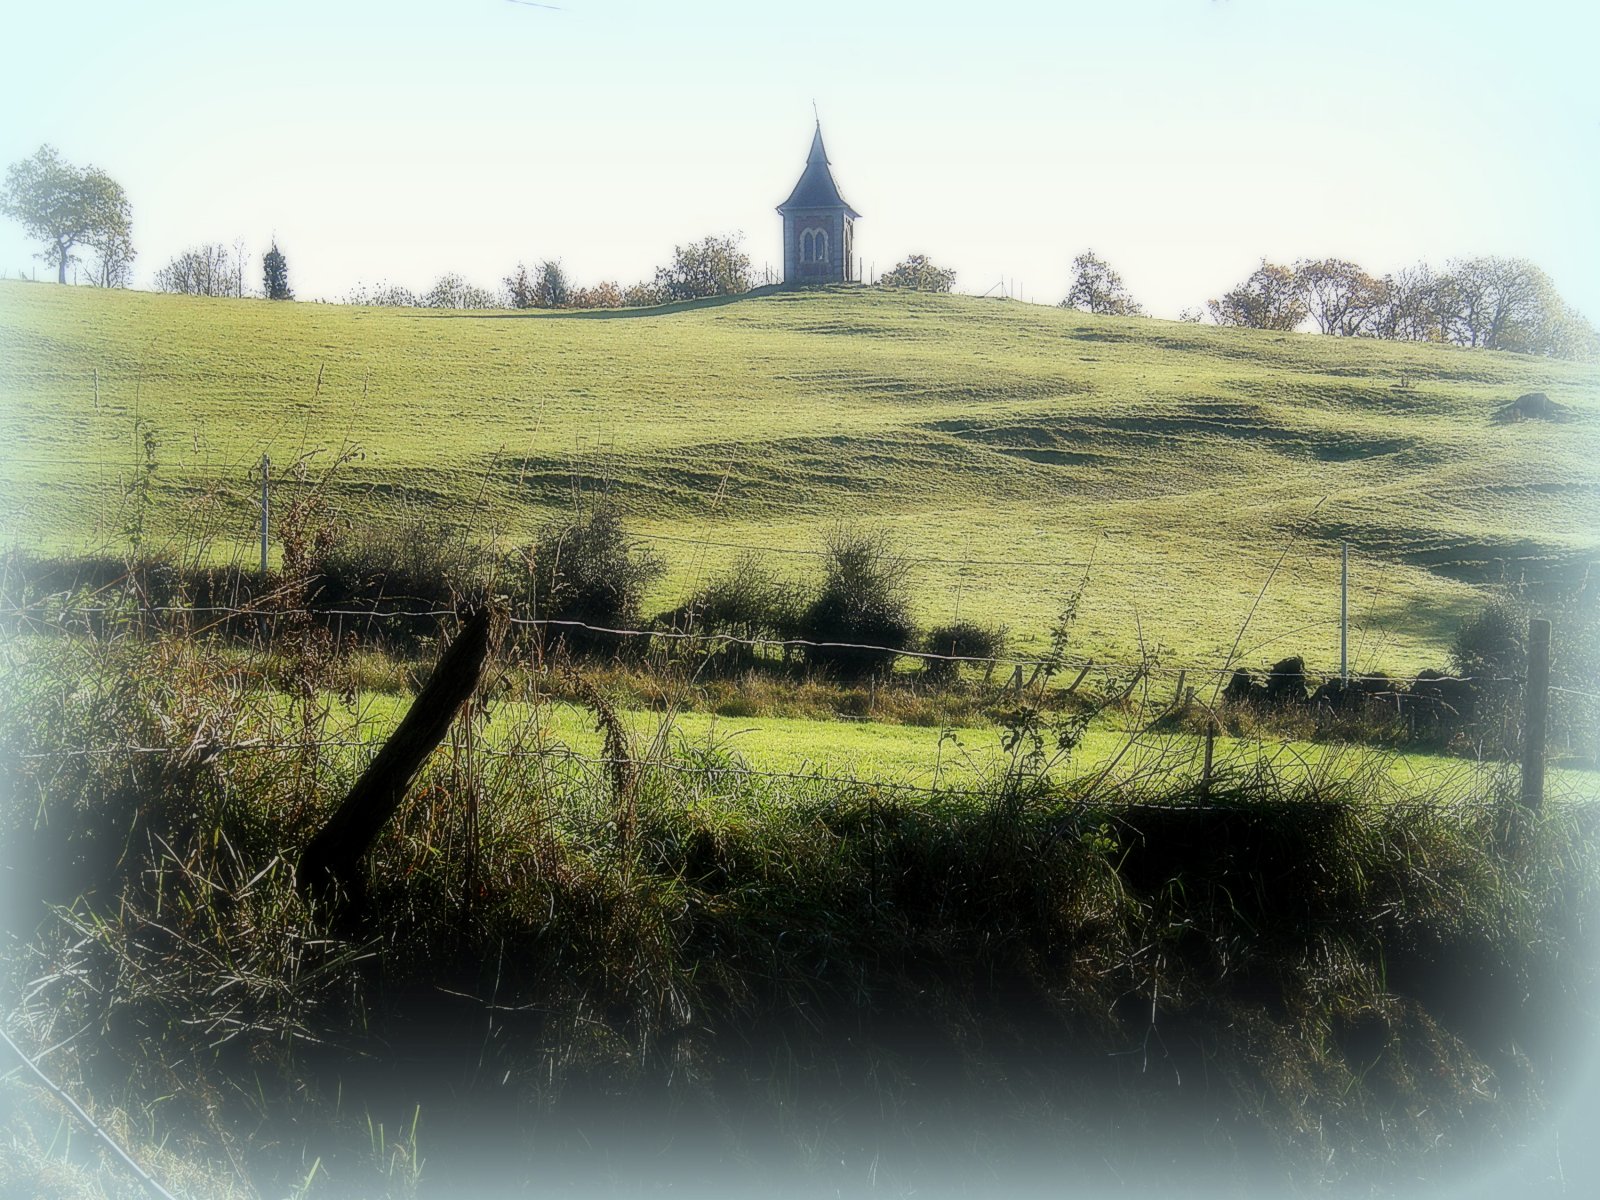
1122, 753
1192, 481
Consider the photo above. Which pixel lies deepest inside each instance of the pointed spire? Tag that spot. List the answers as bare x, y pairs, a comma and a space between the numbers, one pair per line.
816, 188
818, 154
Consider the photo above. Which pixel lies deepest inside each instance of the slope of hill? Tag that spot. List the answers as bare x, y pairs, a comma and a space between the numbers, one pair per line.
1022, 451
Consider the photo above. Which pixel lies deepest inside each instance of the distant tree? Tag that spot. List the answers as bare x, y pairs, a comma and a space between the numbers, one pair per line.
918, 274
551, 288
1096, 288
605, 294
206, 270
1412, 307
519, 287
1191, 316
383, 295
715, 266
450, 290
1341, 298
112, 265
275, 274
642, 295
66, 207
1505, 304
1266, 300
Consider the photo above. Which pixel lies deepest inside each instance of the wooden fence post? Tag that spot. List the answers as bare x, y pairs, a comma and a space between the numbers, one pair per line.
1536, 708
332, 859
1081, 676
1205, 771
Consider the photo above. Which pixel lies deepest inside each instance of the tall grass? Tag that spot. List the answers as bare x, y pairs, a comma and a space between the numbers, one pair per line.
664, 962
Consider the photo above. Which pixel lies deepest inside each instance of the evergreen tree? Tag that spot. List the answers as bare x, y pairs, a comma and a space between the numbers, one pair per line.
275, 274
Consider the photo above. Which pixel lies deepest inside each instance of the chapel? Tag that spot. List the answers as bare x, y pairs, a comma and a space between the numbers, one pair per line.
818, 226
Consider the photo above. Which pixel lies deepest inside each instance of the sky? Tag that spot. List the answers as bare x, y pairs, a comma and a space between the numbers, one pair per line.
1183, 140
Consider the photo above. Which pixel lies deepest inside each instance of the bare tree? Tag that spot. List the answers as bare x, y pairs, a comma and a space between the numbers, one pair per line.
1341, 298
112, 265
205, 270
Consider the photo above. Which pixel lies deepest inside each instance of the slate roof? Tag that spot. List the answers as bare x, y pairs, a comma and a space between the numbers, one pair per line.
816, 188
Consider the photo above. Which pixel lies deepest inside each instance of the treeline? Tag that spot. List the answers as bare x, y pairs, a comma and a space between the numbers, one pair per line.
713, 266
1488, 303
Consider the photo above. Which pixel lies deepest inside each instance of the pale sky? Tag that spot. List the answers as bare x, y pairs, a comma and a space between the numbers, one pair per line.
1181, 139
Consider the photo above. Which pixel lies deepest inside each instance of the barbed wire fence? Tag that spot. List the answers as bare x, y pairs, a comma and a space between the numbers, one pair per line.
1121, 680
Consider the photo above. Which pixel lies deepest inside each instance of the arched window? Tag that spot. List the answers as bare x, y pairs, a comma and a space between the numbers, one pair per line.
814, 245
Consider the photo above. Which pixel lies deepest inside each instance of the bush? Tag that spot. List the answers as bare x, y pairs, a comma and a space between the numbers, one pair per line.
863, 600
452, 291
919, 275
416, 562
963, 639
583, 569
1491, 651
747, 601
712, 267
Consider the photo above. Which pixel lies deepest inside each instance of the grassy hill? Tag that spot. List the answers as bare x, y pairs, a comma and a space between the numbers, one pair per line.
1009, 445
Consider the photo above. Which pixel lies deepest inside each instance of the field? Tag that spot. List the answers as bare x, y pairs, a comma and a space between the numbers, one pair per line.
721, 924
1019, 451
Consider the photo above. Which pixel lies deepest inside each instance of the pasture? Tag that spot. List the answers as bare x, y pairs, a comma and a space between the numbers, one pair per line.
1186, 478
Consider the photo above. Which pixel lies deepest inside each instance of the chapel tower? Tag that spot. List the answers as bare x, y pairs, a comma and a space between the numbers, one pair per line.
818, 226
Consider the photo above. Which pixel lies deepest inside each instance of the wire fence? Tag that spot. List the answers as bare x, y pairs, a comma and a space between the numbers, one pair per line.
1471, 780
59, 616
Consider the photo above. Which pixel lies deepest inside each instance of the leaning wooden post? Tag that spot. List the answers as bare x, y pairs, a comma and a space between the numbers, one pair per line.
332, 861
1536, 708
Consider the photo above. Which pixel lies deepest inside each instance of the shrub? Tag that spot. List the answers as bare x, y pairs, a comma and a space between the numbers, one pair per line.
583, 569
918, 274
963, 639
711, 267
747, 601
863, 600
452, 291
1491, 650
416, 561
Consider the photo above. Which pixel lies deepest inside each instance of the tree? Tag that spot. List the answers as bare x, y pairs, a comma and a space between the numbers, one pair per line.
715, 266
206, 270
1505, 304
605, 294
275, 274
1266, 300
1341, 298
550, 288
112, 266
382, 295
1410, 310
519, 287
450, 290
1096, 288
919, 275
66, 207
